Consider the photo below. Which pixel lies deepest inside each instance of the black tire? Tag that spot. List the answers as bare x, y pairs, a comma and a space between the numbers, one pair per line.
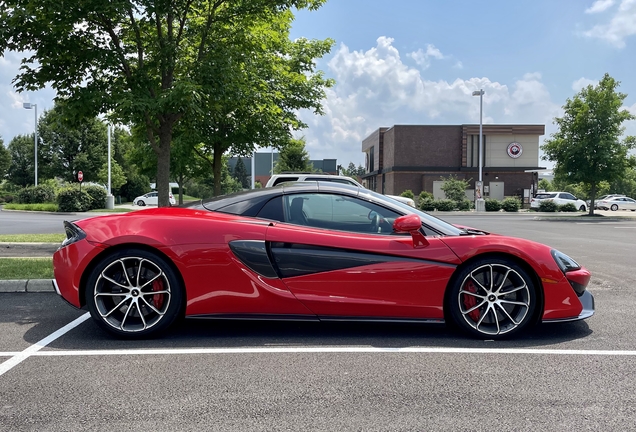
140, 302
140, 203
614, 207
492, 310
582, 208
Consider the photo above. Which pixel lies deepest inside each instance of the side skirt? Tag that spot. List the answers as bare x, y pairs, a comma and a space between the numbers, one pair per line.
313, 318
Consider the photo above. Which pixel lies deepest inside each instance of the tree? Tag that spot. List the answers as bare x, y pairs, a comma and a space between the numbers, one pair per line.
71, 146
353, 171
454, 189
293, 158
117, 176
545, 185
240, 174
5, 160
587, 148
140, 61
22, 168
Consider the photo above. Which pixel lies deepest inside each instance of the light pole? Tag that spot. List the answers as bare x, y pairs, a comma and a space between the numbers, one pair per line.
28, 105
480, 204
110, 199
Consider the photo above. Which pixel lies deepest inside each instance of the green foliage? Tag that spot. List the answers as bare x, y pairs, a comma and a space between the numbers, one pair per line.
463, 205
548, 206
5, 160
49, 207
36, 195
240, 174
511, 205
408, 194
427, 204
293, 158
625, 185
6, 198
98, 197
569, 207
258, 185
545, 184
353, 171
135, 186
492, 205
74, 200
117, 176
445, 205
454, 189
425, 195
587, 148
22, 168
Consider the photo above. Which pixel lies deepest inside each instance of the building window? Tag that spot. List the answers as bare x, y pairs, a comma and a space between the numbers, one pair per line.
473, 151
371, 159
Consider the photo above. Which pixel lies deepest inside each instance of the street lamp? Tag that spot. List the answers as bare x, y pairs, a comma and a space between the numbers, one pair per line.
480, 205
28, 105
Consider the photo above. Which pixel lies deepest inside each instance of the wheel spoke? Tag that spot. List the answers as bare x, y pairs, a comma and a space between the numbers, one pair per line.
513, 290
477, 282
483, 316
155, 310
508, 315
123, 266
517, 303
474, 307
123, 321
151, 280
141, 315
115, 308
492, 278
473, 294
503, 281
113, 281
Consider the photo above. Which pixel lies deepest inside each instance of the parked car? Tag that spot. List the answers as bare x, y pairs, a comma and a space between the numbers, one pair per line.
281, 178
151, 198
601, 198
617, 203
559, 198
311, 251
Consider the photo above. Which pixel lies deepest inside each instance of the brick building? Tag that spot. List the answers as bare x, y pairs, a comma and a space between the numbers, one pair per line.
417, 157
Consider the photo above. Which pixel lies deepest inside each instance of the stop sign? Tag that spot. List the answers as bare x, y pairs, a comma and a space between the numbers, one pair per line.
80, 176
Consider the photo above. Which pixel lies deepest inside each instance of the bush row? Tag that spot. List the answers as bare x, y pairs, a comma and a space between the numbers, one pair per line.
507, 204
427, 203
68, 200
551, 206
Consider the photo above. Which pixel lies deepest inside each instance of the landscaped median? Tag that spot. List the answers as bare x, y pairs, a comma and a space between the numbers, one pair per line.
26, 262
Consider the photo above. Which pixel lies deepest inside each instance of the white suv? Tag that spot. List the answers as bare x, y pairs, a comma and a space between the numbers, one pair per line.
280, 178
559, 198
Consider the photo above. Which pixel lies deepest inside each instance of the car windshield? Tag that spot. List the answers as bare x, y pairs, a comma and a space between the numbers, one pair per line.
427, 219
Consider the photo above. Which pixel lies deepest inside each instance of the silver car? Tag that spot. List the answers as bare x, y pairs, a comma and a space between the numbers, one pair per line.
617, 203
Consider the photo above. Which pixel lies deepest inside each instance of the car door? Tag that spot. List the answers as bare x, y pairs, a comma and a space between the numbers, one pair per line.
630, 204
340, 266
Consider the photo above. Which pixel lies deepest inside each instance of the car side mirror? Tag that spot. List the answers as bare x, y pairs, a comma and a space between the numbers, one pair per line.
412, 224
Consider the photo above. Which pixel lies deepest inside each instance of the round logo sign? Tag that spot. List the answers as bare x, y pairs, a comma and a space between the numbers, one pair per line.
80, 176
514, 150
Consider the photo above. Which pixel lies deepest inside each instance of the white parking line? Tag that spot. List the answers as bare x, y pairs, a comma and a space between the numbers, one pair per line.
33, 349
321, 349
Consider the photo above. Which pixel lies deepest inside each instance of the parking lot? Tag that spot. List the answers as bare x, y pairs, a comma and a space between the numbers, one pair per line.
226, 375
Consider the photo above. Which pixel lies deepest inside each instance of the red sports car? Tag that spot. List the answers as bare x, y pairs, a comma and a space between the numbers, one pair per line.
311, 251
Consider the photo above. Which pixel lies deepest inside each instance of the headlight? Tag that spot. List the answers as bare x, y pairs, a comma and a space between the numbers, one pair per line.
564, 262
73, 234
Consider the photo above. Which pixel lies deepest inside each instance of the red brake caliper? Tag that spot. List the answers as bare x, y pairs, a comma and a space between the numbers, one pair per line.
157, 299
471, 301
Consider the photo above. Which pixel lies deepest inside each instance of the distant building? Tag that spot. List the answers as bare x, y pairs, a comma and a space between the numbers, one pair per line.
416, 157
264, 162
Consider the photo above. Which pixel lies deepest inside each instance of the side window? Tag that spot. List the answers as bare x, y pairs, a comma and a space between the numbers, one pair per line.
338, 212
284, 179
273, 210
568, 196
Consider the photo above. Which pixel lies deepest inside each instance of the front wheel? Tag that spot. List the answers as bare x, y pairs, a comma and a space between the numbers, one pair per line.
614, 207
582, 208
134, 293
492, 298
140, 203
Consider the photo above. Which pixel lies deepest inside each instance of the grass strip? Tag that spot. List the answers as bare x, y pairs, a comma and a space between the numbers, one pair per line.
32, 207
26, 268
32, 238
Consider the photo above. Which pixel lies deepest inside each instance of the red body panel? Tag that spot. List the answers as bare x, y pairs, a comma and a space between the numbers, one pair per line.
409, 285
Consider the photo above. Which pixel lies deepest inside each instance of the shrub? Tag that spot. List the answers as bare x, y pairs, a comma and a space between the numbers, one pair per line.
425, 195
408, 194
427, 204
492, 205
135, 186
32, 207
547, 206
569, 207
74, 200
511, 205
445, 205
36, 195
454, 188
463, 205
8, 198
98, 197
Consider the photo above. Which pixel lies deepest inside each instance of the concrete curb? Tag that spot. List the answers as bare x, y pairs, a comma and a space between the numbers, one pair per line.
26, 285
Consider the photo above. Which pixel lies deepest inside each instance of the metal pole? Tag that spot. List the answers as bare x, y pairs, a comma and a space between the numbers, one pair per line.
109, 159
36, 143
253, 169
481, 134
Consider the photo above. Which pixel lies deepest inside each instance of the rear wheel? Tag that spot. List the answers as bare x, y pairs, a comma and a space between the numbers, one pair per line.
614, 207
492, 298
134, 293
582, 208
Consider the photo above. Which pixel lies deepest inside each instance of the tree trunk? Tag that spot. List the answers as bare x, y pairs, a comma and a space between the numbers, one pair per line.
163, 162
590, 211
216, 168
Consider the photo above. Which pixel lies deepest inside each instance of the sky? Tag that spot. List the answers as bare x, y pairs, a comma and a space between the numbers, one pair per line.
418, 62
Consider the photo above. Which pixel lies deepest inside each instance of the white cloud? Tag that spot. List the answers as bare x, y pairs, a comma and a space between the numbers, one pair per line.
423, 58
599, 6
583, 82
621, 25
374, 88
